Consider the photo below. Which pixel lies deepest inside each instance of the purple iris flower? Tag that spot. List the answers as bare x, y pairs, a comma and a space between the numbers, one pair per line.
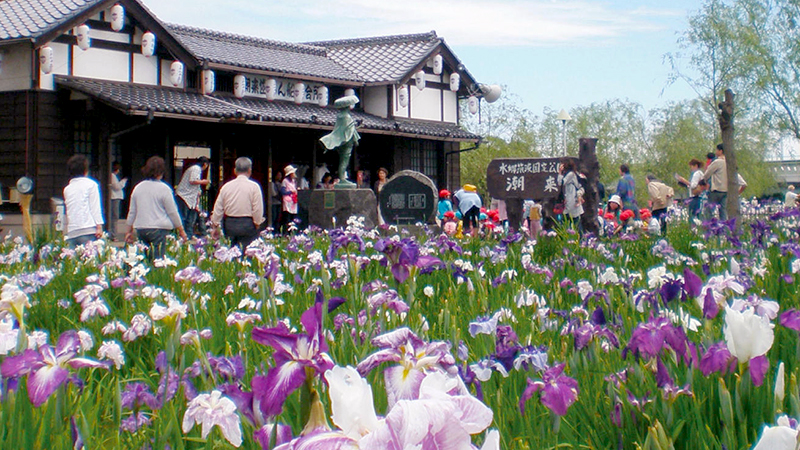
559, 391
136, 395
710, 305
791, 319
282, 435
48, 368
692, 284
717, 359
671, 290
506, 346
403, 255
648, 339
341, 239
333, 302
294, 353
416, 358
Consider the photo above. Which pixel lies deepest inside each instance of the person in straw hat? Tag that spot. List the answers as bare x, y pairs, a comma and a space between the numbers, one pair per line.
289, 196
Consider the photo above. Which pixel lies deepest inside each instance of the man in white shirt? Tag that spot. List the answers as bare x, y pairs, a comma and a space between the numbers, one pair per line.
239, 208
117, 187
790, 201
84, 217
188, 193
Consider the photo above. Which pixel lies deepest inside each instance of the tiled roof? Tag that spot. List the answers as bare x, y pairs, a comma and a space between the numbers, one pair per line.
384, 58
32, 18
167, 100
261, 54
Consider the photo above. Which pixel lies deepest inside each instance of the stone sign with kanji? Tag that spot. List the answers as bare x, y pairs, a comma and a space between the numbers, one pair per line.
523, 178
408, 197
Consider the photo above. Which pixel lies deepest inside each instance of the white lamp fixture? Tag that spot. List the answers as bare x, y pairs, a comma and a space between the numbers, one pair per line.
298, 92
176, 73
402, 96
209, 82
419, 80
239, 83
438, 64
117, 17
270, 87
564, 117
472, 104
322, 96
84, 40
46, 59
491, 93
455, 82
148, 44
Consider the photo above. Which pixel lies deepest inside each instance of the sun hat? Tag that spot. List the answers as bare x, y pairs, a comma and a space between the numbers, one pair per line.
615, 199
288, 170
470, 188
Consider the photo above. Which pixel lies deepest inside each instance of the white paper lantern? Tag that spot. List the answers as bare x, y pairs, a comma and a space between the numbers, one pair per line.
455, 82
176, 73
348, 92
270, 87
402, 96
209, 82
419, 80
117, 17
46, 59
322, 94
472, 104
438, 64
84, 40
239, 83
298, 93
148, 44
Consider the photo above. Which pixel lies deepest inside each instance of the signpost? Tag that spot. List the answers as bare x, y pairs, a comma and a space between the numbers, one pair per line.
523, 178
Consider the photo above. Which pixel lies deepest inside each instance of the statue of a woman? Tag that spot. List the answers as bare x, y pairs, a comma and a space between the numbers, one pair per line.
343, 137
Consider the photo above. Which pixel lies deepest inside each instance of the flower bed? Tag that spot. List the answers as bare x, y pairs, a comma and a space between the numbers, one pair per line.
377, 339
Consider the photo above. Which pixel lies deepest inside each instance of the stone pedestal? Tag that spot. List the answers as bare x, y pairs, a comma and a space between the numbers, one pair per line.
321, 206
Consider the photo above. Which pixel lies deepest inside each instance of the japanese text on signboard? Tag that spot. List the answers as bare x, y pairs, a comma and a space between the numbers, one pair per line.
255, 86
525, 178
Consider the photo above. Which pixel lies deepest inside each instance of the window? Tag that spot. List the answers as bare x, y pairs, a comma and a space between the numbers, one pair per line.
424, 157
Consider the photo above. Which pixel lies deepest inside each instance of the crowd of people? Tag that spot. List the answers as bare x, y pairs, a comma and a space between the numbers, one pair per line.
155, 210
238, 213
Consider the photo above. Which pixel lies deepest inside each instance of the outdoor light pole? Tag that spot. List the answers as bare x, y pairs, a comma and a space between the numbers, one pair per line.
563, 116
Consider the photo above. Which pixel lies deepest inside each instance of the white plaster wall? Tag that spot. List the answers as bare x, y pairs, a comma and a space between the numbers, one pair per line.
425, 104
400, 111
110, 36
375, 101
145, 69
15, 68
100, 64
450, 107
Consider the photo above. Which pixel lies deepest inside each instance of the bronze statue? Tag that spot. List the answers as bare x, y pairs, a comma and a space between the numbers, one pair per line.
343, 138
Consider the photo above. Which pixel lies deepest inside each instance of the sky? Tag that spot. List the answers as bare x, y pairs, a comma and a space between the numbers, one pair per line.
549, 53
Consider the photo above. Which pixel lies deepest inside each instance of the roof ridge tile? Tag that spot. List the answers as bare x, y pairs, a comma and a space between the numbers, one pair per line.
376, 40
244, 39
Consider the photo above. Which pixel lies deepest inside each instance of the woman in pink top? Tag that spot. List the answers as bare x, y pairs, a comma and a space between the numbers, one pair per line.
288, 196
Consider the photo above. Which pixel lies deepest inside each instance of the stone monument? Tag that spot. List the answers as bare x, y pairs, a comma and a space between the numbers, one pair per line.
408, 197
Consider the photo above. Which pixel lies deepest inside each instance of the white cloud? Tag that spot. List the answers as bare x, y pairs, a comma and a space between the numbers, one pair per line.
462, 22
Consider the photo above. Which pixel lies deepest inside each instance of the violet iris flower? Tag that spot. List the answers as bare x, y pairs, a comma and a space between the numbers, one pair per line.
791, 319
48, 368
294, 353
717, 359
403, 255
648, 339
416, 358
559, 391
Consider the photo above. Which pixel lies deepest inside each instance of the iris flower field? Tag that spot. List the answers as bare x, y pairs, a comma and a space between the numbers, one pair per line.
406, 338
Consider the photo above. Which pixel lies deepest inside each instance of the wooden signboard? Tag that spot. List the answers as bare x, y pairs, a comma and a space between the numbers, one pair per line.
523, 178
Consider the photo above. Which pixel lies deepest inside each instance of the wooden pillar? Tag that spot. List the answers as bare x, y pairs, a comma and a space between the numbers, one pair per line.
589, 166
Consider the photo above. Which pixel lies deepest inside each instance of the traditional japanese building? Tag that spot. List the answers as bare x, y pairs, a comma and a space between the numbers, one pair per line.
110, 80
